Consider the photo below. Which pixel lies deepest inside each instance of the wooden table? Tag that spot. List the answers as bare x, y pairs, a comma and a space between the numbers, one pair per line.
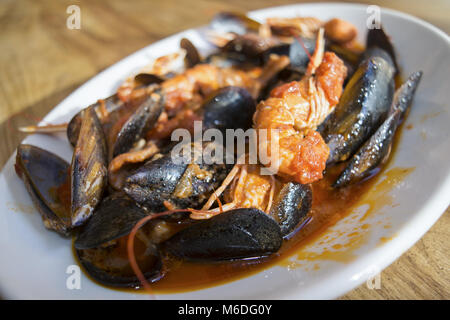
42, 61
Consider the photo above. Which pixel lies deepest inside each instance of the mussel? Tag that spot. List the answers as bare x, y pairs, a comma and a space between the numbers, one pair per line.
171, 179
192, 55
88, 168
101, 244
235, 234
109, 104
46, 177
141, 121
379, 44
376, 150
229, 108
365, 102
291, 207
362, 108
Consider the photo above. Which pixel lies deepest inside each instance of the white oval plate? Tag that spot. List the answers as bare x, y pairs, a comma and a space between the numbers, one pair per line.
34, 261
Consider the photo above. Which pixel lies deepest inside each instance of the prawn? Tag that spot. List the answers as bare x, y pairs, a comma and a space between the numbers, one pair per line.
296, 109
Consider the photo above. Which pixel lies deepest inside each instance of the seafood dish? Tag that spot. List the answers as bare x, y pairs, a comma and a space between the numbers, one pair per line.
147, 212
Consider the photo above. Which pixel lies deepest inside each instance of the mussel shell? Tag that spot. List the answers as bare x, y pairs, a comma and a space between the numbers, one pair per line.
377, 38
291, 206
192, 55
154, 182
43, 174
111, 104
122, 276
362, 108
378, 52
298, 56
148, 79
88, 168
115, 217
376, 150
139, 123
229, 108
169, 178
250, 45
235, 234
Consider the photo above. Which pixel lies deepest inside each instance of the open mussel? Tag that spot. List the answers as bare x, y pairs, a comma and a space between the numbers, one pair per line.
376, 150
101, 244
46, 177
235, 234
88, 168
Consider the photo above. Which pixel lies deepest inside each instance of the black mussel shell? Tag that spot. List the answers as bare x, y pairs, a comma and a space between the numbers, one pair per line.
192, 55
44, 173
377, 149
235, 234
229, 108
363, 106
377, 38
112, 269
88, 168
291, 206
111, 104
139, 123
115, 217
148, 79
298, 56
153, 183
178, 181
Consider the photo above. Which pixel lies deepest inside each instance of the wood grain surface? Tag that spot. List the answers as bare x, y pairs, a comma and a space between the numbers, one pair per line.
42, 61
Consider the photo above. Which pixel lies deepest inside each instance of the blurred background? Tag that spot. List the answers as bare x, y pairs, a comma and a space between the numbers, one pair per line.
42, 61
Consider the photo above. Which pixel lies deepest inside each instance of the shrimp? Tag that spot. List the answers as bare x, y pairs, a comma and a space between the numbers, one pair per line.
296, 109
